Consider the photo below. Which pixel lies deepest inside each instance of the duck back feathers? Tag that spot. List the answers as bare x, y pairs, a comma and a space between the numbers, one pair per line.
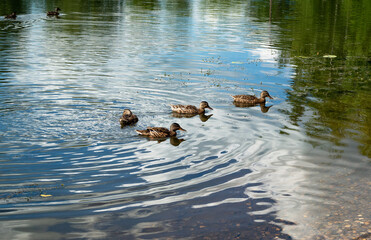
128, 118
160, 132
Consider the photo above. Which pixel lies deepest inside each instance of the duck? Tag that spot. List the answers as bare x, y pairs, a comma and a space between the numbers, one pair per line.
161, 132
54, 13
190, 109
128, 118
13, 15
251, 99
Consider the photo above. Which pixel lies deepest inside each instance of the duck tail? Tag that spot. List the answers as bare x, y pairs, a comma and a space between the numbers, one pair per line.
173, 107
142, 132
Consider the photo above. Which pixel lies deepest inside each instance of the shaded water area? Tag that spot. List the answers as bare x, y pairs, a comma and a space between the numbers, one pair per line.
297, 167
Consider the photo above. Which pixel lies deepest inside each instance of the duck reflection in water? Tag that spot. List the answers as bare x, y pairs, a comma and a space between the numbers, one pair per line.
263, 107
202, 116
173, 140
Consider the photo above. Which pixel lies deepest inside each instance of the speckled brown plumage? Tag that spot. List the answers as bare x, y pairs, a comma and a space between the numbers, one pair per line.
128, 118
252, 99
190, 108
160, 132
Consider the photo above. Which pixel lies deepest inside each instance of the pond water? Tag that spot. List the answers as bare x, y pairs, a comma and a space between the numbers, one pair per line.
297, 167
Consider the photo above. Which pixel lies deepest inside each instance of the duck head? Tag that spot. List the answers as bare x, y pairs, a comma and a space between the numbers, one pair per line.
127, 112
204, 105
176, 126
265, 94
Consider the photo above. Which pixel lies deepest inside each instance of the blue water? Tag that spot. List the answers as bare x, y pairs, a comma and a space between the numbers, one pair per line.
68, 170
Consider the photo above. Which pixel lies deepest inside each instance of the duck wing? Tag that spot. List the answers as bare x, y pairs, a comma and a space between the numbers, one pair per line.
184, 108
155, 132
158, 132
133, 118
128, 119
244, 97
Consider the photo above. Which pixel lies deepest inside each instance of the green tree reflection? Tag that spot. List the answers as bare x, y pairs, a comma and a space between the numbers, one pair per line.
337, 90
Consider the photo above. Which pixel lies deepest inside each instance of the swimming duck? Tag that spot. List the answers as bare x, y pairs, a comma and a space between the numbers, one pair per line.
252, 99
128, 118
54, 13
13, 15
190, 108
160, 132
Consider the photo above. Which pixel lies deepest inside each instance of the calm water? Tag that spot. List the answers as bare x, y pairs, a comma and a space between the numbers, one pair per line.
296, 168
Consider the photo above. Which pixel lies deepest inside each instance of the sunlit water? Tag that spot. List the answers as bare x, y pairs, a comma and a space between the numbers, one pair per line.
68, 170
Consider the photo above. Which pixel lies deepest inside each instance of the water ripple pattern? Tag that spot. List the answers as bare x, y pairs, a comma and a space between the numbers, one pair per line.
64, 83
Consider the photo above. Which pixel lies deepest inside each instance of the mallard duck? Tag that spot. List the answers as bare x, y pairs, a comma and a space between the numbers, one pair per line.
54, 13
160, 132
13, 15
252, 99
128, 118
190, 108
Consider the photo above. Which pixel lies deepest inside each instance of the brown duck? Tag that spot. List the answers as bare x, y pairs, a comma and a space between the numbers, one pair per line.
13, 15
128, 118
189, 109
252, 99
160, 132
54, 13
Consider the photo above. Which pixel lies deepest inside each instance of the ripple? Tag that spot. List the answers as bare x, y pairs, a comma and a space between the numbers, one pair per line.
65, 158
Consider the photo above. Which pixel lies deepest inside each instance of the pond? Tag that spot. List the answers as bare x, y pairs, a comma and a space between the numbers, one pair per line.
296, 167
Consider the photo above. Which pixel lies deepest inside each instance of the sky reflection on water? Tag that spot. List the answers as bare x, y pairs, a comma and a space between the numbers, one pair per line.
245, 172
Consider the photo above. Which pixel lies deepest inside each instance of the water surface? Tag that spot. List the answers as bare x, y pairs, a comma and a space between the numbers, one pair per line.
294, 168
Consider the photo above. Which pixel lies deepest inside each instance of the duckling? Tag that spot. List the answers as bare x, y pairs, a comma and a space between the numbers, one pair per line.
160, 132
252, 99
190, 108
54, 13
13, 15
128, 118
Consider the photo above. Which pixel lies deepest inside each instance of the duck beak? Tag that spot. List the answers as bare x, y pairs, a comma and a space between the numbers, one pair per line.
269, 96
210, 107
181, 129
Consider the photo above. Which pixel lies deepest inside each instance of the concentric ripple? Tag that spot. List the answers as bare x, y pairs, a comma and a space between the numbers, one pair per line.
68, 169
